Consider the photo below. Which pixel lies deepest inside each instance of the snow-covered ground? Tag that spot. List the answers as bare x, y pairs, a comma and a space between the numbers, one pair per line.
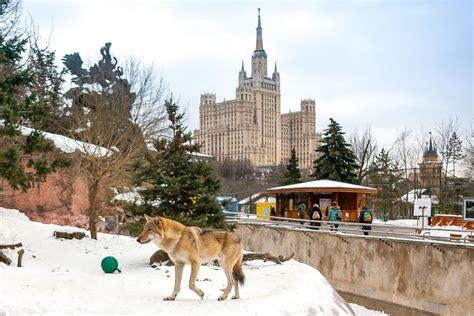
64, 277
438, 231
399, 222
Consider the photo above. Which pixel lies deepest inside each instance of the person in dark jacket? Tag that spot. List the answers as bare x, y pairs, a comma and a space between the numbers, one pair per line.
272, 212
366, 217
315, 214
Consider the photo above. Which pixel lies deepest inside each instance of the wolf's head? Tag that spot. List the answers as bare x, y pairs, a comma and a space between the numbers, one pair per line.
151, 231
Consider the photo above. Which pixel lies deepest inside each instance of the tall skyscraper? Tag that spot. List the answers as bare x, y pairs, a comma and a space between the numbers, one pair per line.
251, 126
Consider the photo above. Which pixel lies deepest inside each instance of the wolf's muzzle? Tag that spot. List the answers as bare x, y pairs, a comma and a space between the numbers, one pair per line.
142, 241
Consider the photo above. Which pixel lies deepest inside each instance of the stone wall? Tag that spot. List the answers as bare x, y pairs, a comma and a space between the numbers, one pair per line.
62, 199
432, 278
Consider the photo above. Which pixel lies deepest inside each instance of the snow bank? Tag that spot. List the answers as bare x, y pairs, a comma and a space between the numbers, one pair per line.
64, 277
398, 222
361, 310
433, 231
447, 231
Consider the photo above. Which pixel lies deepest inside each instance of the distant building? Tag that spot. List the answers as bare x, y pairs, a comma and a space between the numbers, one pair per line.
429, 174
251, 126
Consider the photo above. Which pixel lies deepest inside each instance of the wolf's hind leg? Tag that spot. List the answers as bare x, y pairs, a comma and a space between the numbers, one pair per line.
236, 290
178, 274
227, 267
192, 279
238, 276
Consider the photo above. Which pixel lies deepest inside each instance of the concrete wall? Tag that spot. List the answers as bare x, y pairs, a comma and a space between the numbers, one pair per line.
431, 278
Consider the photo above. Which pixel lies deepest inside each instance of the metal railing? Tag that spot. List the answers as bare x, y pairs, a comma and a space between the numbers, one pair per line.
377, 230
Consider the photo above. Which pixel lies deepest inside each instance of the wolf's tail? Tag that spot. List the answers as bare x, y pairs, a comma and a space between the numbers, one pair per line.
237, 272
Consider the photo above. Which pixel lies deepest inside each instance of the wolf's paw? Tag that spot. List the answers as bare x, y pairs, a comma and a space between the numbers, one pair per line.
169, 298
234, 297
200, 294
221, 298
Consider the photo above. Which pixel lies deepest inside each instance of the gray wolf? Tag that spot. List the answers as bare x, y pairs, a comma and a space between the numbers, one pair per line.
194, 246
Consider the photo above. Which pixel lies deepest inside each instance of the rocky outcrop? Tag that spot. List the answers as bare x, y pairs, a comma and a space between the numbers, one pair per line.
62, 199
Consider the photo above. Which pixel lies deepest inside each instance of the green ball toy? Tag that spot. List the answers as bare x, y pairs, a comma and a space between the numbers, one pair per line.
110, 265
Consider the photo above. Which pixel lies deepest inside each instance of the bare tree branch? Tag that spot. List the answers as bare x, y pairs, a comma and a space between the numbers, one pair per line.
365, 149
148, 84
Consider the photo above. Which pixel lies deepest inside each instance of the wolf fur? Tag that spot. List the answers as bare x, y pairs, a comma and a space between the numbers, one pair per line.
194, 246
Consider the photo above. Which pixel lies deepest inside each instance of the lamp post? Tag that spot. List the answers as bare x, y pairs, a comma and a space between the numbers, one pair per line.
422, 217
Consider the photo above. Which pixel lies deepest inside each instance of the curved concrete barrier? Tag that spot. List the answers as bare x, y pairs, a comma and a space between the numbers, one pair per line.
426, 277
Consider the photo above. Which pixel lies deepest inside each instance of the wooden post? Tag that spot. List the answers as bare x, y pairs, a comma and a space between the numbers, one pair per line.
4, 259
277, 204
20, 257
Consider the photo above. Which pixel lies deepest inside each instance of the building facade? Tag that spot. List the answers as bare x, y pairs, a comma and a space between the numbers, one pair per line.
251, 126
299, 132
430, 170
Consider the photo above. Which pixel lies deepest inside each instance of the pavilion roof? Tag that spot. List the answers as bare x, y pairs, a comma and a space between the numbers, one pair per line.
322, 186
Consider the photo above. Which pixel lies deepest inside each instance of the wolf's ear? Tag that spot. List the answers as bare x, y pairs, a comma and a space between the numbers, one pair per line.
148, 218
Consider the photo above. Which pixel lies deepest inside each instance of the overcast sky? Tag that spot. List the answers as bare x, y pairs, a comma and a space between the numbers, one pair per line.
386, 65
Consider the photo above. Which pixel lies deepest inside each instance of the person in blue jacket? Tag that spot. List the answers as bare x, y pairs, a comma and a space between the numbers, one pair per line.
366, 217
334, 214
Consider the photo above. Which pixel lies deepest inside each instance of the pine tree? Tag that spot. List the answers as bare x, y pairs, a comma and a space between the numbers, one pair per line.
47, 85
337, 160
24, 161
292, 174
177, 185
455, 150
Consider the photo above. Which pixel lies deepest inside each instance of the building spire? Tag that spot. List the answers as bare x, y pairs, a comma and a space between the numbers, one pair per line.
431, 150
259, 46
431, 143
259, 57
276, 75
243, 65
259, 24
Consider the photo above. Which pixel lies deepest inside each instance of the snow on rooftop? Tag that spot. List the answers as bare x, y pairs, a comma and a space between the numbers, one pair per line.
411, 196
230, 200
201, 155
69, 145
64, 277
323, 184
247, 199
269, 199
151, 147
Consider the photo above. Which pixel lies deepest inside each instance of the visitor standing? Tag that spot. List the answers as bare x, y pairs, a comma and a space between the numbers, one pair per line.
334, 215
316, 215
302, 211
366, 217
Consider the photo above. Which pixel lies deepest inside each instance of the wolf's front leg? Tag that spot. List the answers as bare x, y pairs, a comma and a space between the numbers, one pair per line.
192, 279
178, 274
